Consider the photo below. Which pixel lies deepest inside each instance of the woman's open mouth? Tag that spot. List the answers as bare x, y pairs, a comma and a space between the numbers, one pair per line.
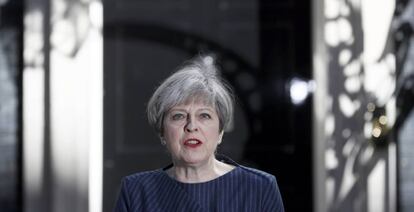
192, 143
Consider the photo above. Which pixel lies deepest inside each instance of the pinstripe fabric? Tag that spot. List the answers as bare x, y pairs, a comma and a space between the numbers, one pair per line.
242, 189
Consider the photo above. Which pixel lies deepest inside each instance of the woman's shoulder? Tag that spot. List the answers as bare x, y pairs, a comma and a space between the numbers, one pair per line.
256, 174
143, 176
248, 173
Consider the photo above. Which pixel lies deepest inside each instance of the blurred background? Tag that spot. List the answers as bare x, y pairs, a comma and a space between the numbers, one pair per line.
324, 96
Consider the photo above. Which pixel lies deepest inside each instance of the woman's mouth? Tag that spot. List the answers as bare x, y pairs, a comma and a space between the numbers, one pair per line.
192, 143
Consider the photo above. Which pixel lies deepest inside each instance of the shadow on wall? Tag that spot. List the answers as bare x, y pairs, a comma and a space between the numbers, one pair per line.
10, 105
404, 126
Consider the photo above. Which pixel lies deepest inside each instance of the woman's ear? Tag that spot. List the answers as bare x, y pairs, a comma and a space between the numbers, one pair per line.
221, 137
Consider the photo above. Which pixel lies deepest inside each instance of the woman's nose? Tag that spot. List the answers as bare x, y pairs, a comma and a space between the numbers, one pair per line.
191, 126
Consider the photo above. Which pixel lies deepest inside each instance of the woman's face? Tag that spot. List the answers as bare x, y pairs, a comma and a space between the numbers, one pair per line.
191, 132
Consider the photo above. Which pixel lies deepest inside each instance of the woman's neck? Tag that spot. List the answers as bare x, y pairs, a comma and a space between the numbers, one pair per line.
200, 173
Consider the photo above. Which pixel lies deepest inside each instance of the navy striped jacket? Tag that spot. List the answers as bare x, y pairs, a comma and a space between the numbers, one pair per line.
242, 189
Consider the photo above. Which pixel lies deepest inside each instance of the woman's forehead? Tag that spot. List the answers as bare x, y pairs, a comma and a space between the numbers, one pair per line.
194, 104
203, 99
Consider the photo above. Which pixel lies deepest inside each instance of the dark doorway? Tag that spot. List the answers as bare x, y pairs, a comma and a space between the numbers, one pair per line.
261, 47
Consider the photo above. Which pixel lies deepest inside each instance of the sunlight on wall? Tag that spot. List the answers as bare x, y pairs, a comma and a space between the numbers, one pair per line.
376, 189
96, 125
376, 22
76, 99
76, 106
33, 111
354, 67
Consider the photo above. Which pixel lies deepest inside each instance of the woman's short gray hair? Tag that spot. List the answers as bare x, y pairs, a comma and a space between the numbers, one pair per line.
196, 80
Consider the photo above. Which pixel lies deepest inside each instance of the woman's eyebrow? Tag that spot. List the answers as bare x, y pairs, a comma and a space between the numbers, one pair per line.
206, 108
178, 110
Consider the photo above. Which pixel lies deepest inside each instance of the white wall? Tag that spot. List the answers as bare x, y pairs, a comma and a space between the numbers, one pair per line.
63, 94
354, 71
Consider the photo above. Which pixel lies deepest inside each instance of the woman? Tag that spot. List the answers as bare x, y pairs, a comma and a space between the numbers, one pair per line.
190, 111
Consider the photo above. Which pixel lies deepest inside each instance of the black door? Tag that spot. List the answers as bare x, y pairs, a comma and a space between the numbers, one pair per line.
260, 46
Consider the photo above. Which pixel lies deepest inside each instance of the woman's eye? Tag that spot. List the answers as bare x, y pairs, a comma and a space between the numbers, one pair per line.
205, 116
177, 116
